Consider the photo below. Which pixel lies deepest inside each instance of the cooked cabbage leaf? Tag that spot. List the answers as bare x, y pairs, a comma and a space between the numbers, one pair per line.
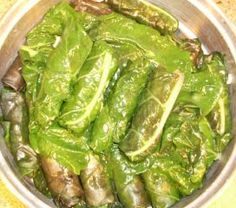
88, 92
154, 108
114, 119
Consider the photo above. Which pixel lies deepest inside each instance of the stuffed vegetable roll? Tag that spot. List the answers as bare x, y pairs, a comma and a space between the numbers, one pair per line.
162, 50
55, 142
112, 122
161, 189
14, 110
63, 184
129, 186
41, 42
88, 92
61, 70
147, 13
96, 183
13, 78
154, 108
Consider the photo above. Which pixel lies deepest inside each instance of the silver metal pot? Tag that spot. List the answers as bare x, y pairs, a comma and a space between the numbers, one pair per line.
198, 18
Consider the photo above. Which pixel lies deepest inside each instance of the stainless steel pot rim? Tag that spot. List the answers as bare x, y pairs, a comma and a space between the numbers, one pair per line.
214, 15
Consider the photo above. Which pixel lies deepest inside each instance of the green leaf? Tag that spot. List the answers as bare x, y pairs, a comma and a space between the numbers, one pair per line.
96, 183
154, 108
114, 119
62, 68
40, 43
87, 97
59, 144
14, 111
147, 13
162, 50
128, 183
162, 190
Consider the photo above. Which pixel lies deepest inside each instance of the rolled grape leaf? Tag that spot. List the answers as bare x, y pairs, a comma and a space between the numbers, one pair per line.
96, 183
63, 184
161, 189
13, 77
162, 50
114, 119
128, 183
57, 143
88, 93
14, 110
144, 12
156, 104
62, 67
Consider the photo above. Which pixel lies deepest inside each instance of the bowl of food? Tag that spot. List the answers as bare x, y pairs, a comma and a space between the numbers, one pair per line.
117, 103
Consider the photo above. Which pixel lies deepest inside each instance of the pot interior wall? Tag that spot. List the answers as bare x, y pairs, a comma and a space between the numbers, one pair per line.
193, 23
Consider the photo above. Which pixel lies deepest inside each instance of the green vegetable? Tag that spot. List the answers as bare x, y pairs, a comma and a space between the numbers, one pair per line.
128, 183
5, 132
40, 43
88, 93
194, 46
96, 183
187, 149
202, 89
154, 108
162, 50
145, 12
57, 143
40, 183
220, 117
114, 119
15, 111
63, 184
161, 189
62, 67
